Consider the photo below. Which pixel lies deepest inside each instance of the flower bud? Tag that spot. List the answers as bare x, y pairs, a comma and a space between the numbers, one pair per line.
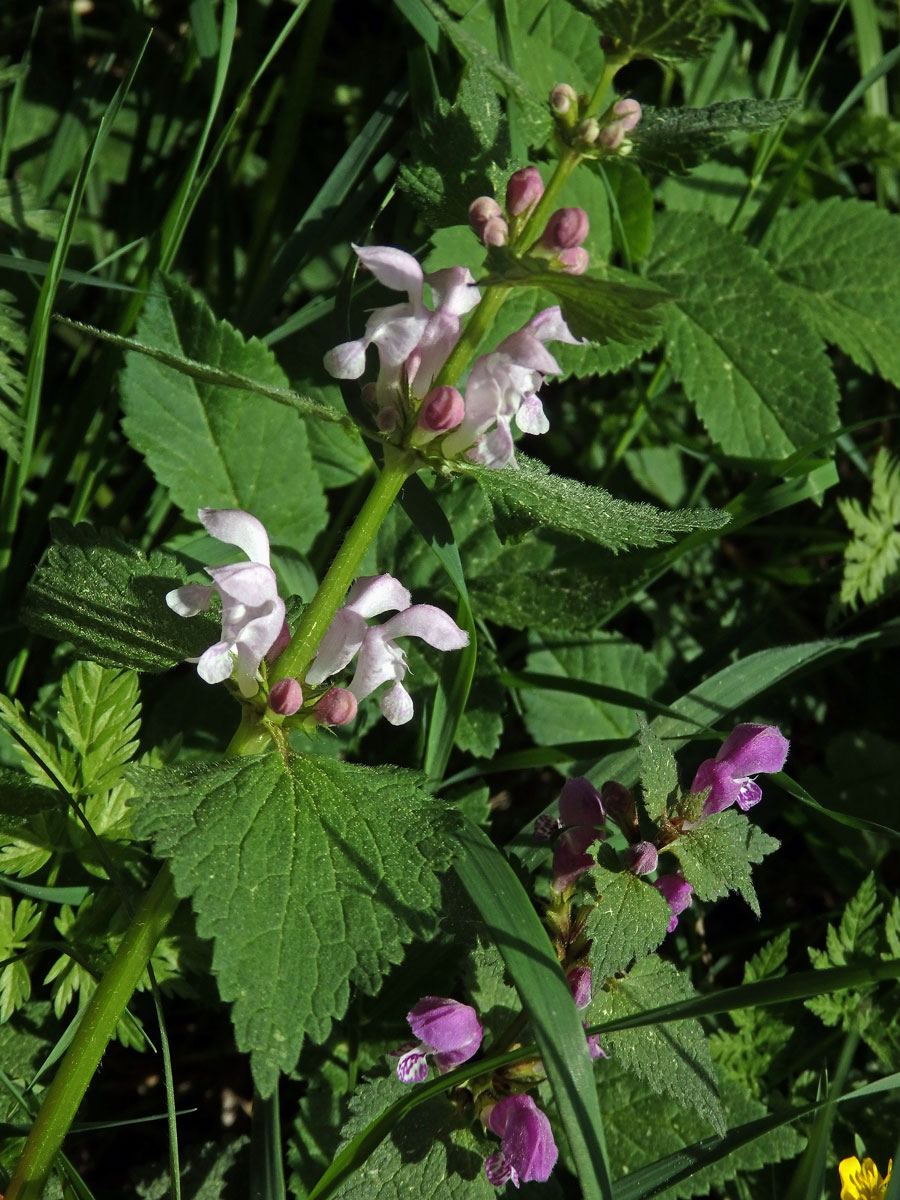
285, 697
567, 228
677, 892
387, 418
444, 409
368, 393
495, 232
482, 210
580, 803
617, 800
612, 137
588, 131
337, 707
575, 261
563, 98
630, 112
641, 858
579, 981
523, 191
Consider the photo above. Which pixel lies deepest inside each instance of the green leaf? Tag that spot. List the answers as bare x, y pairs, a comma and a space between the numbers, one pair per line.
759, 377
670, 141
838, 259
13, 341
673, 1057
433, 1152
716, 856
873, 554
629, 919
16, 923
309, 875
108, 599
531, 498
667, 30
100, 712
659, 774
218, 446
211, 1171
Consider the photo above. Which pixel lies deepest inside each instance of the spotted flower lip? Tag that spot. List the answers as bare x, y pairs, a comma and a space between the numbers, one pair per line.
527, 1149
448, 1032
748, 750
252, 610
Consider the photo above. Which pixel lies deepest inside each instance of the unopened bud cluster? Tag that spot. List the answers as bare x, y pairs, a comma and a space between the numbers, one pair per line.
593, 136
562, 237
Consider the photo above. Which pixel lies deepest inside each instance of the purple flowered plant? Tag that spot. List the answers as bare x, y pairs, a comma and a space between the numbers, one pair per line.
748, 750
581, 808
448, 1031
527, 1149
677, 892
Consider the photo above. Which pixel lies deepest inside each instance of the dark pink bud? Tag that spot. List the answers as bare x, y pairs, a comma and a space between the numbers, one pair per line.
279, 644
616, 799
337, 707
443, 409
579, 981
523, 191
678, 892
285, 697
482, 210
630, 113
563, 98
568, 227
641, 858
575, 261
495, 232
387, 419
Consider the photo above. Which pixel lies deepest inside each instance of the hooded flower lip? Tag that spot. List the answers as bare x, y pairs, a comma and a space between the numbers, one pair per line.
580, 808
412, 340
252, 610
527, 1149
502, 387
381, 660
862, 1180
678, 893
448, 1030
748, 750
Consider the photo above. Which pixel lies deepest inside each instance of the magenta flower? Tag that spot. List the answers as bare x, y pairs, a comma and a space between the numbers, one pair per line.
527, 1149
748, 750
677, 892
581, 808
448, 1031
380, 659
252, 610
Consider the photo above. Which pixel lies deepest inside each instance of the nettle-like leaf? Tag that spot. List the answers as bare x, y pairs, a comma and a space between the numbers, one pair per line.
13, 340
628, 919
716, 855
530, 498
667, 30
659, 774
461, 153
433, 1152
671, 141
218, 446
108, 599
839, 260
872, 556
100, 712
309, 875
672, 1058
642, 1127
757, 374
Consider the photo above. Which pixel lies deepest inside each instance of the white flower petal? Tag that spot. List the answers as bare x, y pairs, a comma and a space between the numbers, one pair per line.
549, 326
342, 639
524, 349
247, 670
429, 623
394, 268
346, 361
374, 594
216, 663
531, 418
495, 449
379, 660
191, 599
251, 584
238, 528
397, 705
453, 290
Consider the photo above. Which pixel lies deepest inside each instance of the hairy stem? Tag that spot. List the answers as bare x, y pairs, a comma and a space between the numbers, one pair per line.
98, 1024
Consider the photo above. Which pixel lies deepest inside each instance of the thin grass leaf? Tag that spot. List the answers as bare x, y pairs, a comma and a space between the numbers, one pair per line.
266, 1169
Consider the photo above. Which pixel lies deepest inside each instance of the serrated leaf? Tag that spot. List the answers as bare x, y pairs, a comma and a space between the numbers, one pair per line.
16, 924
100, 712
108, 599
659, 774
716, 856
670, 141
208, 1172
628, 920
531, 498
432, 1152
309, 875
673, 1058
13, 340
758, 376
838, 259
218, 446
873, 554
667, 30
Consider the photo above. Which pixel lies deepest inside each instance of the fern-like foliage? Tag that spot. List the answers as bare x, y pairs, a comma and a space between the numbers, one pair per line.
873, 555
12, 380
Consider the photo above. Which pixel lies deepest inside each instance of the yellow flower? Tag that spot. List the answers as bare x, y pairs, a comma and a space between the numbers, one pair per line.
861, 1180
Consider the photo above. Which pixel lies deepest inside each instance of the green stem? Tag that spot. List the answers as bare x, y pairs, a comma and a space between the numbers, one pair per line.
479, 323
98, 1024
